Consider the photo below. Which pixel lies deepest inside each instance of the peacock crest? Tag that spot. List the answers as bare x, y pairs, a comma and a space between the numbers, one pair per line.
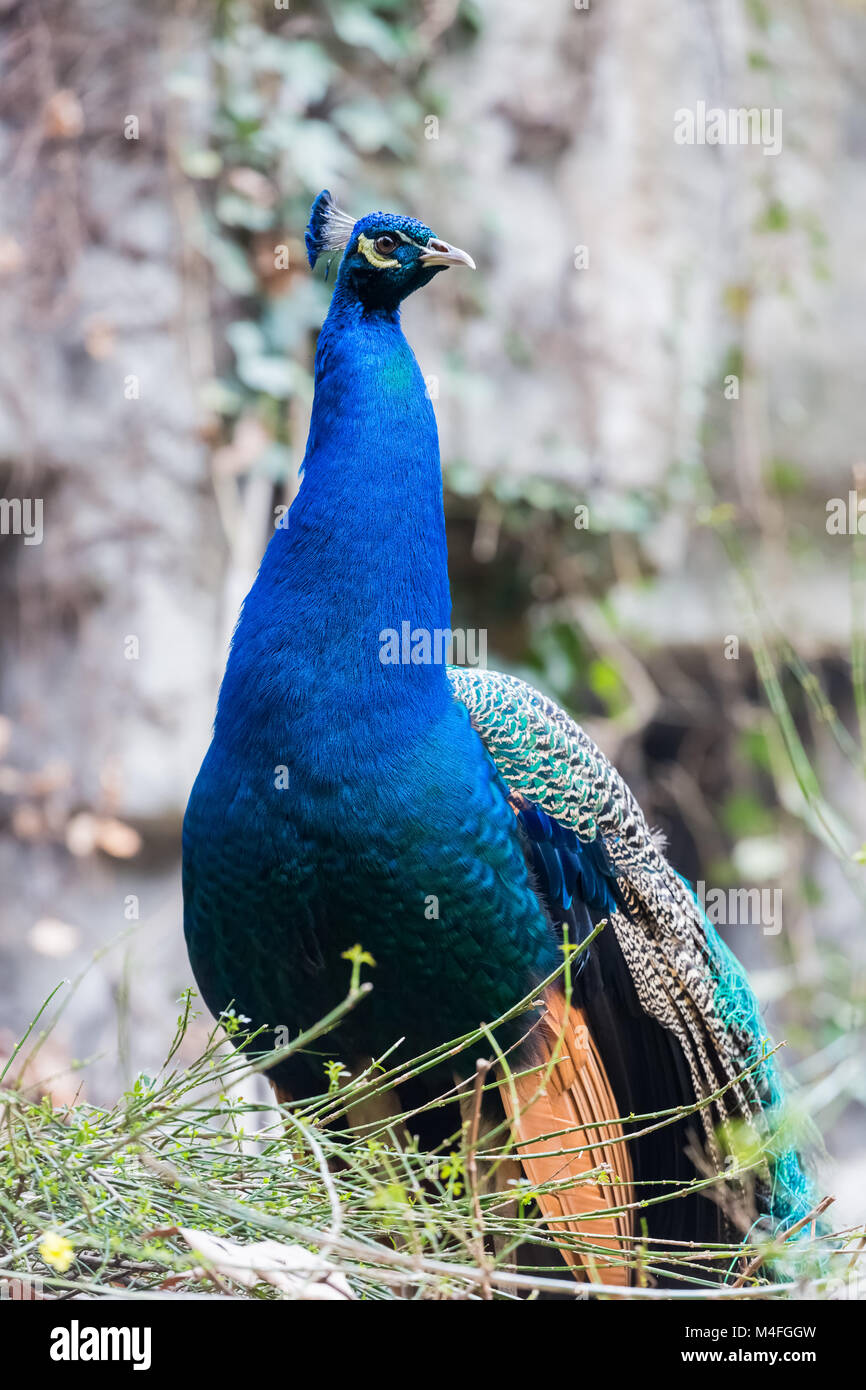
329, 228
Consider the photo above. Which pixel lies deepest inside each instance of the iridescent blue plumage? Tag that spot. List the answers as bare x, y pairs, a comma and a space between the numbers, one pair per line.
388, 802
448, 821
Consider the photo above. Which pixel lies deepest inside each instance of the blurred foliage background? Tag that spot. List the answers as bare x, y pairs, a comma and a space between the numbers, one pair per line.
160, 320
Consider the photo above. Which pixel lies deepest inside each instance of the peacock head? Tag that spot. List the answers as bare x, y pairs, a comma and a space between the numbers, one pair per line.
385, 257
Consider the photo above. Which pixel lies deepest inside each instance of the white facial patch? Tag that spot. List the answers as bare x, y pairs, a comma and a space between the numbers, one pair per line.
368, 250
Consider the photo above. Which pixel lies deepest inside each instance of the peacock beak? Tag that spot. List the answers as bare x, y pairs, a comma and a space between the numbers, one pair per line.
441, 253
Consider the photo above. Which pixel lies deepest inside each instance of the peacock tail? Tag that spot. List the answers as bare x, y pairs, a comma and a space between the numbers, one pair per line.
685, 975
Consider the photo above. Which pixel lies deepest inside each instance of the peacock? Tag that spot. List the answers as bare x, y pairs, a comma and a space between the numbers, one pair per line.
343, 793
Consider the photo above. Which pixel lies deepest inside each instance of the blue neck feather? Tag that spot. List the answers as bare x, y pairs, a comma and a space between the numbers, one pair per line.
363, 551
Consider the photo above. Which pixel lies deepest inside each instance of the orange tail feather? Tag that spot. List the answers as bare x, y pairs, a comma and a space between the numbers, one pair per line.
576, 1092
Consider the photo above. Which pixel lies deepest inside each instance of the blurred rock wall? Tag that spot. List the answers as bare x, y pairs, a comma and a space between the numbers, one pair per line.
108, 658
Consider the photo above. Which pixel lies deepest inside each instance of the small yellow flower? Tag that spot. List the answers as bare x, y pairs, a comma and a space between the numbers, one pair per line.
358, 956
57, 1251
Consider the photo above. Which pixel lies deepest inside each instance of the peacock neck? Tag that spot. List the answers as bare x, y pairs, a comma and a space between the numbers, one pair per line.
362, 553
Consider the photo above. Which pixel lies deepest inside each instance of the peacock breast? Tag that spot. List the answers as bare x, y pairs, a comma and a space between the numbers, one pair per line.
417, 860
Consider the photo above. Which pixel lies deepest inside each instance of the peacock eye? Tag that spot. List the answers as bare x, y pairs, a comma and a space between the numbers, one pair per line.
385, 244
